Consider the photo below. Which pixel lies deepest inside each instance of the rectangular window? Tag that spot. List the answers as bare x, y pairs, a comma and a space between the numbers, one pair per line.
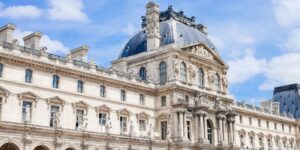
26, 111
258, 121
1, 103
102, 90
1, 70
123, 124
102, 119
241, 119
282, 126
188, 125
142, 125
28, 76
79, 86
275, 126
53, 114
79, 118
164, 128
250, 121
123, 95
267, 124
290, 129
142, 99
163, 101
55, 81
252, 142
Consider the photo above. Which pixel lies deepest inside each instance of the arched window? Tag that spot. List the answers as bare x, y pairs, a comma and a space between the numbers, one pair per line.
217, 82
209, 132
162, 72
183, 72
143, 74
201, 77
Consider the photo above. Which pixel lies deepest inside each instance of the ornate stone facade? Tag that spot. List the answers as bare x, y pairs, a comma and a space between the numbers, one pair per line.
182, 102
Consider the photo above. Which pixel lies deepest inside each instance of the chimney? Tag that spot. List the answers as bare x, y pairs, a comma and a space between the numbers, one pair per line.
6, 33
80, 53
153, 34
33, 40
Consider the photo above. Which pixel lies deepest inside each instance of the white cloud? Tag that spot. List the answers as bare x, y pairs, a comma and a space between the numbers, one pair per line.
130, 29
242, 69
16, 12
67, 10
54, 46
287, 12
282, 70
292, 43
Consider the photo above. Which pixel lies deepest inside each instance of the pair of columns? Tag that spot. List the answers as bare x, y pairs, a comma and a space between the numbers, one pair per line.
180, 118
201, 126
231, 122
222, 130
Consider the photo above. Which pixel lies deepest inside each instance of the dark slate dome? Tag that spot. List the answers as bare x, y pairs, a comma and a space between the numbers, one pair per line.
172, 31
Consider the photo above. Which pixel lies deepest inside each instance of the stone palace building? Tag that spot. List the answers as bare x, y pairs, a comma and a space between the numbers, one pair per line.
166, 91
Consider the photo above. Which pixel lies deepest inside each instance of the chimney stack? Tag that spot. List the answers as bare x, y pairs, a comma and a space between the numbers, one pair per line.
6, 33
80, 53
153, 33
33, 40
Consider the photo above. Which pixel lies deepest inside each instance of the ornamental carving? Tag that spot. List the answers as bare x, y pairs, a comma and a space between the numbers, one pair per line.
201, 51
202, 100
192, 73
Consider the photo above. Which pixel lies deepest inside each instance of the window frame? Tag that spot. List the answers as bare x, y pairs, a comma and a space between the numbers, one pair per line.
79, 118
24, 110
123, 95
80, 86
55, 81
1, 70
143, 73
201, 81
28, 75
163, 101
53, 115
102, 91
183, 72
142, 99
162, 72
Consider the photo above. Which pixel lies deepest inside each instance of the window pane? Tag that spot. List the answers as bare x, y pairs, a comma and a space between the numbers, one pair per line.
1, 70
143, 74
162, 72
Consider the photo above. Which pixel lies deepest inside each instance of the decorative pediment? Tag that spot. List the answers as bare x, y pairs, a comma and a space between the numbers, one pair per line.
204, 52
269, 136
277, 137
260, 134
28, 96
56, 101
291, 139
123, 112
103, 108
142, 115
251, 133
284, 138
163, 116
80, 105
4, 92
242, 132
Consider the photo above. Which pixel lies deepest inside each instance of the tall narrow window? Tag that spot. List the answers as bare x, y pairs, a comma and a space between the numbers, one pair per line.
102, 90
123, 124
241, 119
1, 103
188, 126
209, 132
79, 118
258, 121
26, 111
267, 124
79, 86
201, 77
102, 119
163, 101
186, 98
252, 141
164, 127
261, 144
55, 81
275, 126
183, 74
162, 72
28, 76
53, 114
1, 69
282, 126
217, 82
123, 95
142, 125
142, 99
290, 129
143, 74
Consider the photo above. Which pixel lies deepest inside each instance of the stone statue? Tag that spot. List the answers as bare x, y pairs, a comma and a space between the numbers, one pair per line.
131, 128
57, 120
169, 133
15, 43
44, 50
85, 123
176, 67
108, 126
211, 76
69, 58
27, 114
225, 81
192, 72
150, 131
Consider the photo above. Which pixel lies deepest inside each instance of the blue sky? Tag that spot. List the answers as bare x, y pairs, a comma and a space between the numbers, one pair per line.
259, 39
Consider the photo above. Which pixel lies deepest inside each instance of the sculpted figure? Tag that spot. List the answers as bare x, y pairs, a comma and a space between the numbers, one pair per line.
44, 50
27, 114
108, 126
57, 120
150, 131
15, 43
85, 123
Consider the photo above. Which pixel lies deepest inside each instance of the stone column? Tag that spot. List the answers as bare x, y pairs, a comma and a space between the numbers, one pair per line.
175, 124
205, 127
181, 124
224, 129
220, 135
196, 128
233, 132
201, 128
230, 132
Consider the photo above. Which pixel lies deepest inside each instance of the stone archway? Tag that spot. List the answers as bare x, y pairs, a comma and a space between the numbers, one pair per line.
9, 146
41, 147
